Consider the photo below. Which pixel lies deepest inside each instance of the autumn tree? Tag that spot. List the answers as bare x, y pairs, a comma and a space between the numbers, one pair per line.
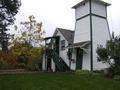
31, 32
27, 41
27, 55
8, 9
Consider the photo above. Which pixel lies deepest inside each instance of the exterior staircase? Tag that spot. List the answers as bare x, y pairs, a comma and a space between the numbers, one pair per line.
59, 62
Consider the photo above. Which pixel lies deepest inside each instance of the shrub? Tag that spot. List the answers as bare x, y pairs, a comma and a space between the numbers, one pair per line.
8, 59
111, 55
3, 64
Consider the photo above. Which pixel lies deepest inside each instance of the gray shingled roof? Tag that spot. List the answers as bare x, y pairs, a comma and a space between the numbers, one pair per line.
68, 34
83, 1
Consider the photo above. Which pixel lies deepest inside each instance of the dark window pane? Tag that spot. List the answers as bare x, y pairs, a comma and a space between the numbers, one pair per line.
62, 44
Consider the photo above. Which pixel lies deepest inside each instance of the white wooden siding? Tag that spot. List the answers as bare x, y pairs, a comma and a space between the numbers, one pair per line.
52, 65
43, 63
82, 10
100, 36
99, 9
63, 53
82, 30
73, 63
86, 60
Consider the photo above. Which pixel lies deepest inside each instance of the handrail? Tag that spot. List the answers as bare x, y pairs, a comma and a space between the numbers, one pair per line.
60, 63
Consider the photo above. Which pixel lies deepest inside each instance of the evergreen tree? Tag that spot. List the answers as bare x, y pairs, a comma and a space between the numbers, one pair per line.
8, 9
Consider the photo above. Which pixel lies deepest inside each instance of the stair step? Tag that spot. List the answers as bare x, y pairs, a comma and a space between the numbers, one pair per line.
59, 62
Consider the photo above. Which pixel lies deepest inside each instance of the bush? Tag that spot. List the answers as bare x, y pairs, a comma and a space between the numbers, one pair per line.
33, 64
3, 64
117, 77
20, 66
7, 60
9, 57
110, 54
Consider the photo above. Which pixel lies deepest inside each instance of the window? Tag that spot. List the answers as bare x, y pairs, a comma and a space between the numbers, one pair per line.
62, 44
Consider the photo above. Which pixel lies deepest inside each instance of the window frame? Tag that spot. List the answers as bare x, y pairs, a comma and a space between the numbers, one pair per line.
62, 44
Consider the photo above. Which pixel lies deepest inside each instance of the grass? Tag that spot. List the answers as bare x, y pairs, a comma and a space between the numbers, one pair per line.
57, 81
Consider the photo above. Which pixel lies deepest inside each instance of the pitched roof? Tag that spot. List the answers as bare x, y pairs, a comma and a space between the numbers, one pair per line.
68, 34
83, 1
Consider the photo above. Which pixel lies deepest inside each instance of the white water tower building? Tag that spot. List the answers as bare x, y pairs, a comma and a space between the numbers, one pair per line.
91, 30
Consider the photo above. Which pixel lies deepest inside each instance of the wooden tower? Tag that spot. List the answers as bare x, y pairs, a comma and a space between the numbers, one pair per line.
91, 30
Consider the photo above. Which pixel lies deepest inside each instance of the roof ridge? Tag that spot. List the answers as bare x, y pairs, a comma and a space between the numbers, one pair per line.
83, 1
65, 29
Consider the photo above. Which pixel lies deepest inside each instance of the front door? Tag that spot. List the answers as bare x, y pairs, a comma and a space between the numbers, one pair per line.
79, 58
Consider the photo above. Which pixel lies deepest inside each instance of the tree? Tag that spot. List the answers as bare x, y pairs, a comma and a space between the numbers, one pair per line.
26, 55
30, 33
8, 9
111, 54
24, 42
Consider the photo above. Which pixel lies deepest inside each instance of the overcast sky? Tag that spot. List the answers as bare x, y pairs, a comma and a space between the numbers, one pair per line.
58, 13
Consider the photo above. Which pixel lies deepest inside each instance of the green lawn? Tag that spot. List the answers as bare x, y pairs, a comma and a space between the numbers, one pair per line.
57, 81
